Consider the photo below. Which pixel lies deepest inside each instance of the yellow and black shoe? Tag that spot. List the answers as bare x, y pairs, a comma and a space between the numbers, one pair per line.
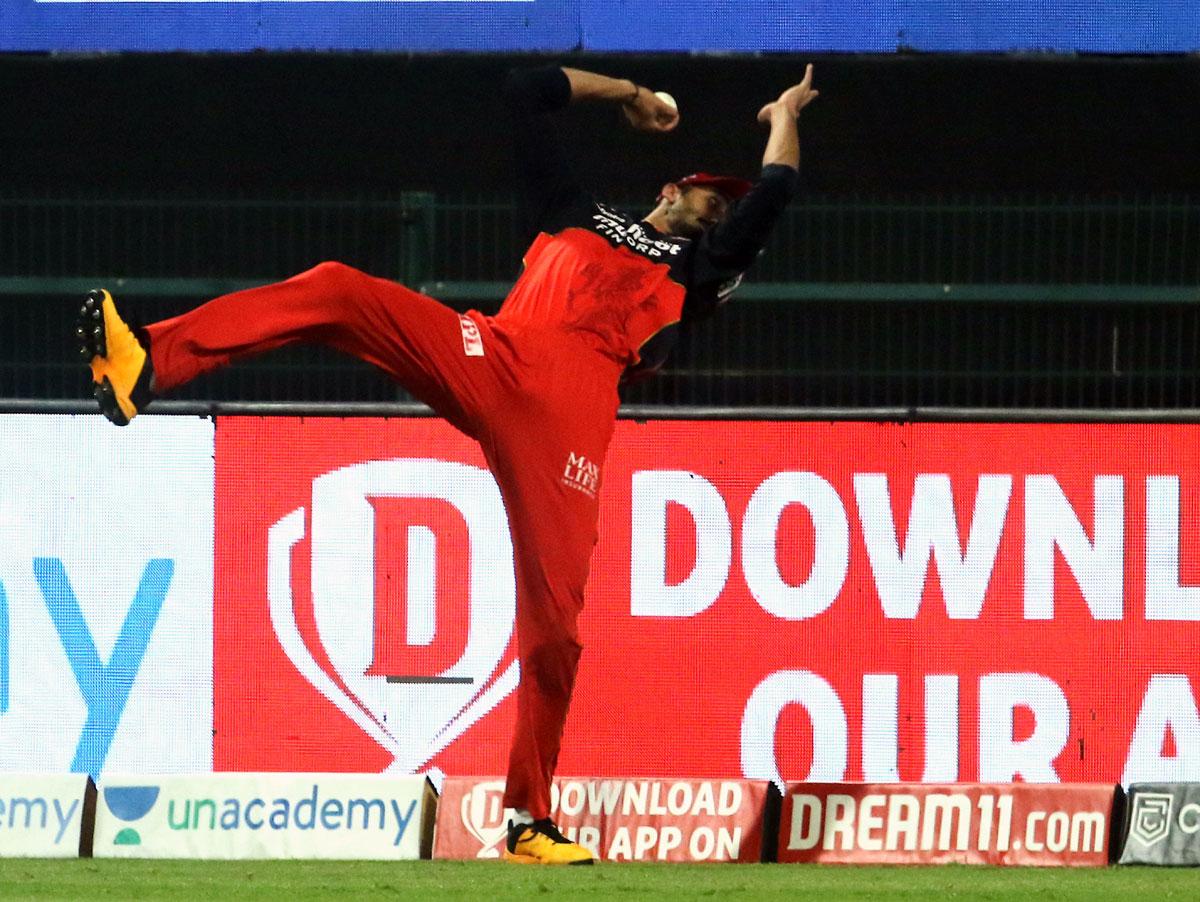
541, 843
120, 365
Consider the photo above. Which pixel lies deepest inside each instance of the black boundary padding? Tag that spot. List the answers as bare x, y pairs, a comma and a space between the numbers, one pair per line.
1118, 825
772, 811
429, 806
87, 820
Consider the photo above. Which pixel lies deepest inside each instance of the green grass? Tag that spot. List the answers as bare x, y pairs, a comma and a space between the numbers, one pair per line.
231, 880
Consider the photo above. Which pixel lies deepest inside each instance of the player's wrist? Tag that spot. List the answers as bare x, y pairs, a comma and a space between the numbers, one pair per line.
631, 95
781, 112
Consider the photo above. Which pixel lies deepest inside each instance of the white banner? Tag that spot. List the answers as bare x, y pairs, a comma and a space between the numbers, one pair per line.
349, 816
106, 561
41, 815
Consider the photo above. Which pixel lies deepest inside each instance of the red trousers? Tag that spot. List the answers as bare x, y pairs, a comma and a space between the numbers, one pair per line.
541, 402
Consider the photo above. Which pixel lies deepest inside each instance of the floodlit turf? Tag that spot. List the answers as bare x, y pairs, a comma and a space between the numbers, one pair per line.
226, 880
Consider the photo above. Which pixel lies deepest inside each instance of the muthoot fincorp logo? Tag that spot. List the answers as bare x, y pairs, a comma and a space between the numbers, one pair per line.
309, 812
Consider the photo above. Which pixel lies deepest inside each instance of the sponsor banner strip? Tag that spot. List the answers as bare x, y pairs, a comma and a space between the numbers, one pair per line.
617, 819
998, 824
1162, 824
46, 815
265, 815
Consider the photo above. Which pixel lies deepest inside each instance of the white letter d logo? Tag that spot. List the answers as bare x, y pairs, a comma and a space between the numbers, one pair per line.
413, 721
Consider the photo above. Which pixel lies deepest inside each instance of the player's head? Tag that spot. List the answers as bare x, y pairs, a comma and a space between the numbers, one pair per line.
696, 202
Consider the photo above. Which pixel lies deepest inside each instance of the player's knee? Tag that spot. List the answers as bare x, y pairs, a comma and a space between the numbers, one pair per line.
336, 274
551, 664
340, 287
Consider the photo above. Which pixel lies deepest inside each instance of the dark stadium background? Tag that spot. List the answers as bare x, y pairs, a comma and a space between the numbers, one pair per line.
1073, 178
285, 122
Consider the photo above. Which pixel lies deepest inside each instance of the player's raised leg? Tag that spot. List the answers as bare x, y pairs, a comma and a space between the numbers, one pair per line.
434, 352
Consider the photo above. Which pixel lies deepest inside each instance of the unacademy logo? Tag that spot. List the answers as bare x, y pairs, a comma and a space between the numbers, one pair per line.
310, 812
130, 803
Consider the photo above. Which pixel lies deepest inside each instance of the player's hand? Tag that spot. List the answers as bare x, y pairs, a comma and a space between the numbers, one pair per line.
648, 113
793, 100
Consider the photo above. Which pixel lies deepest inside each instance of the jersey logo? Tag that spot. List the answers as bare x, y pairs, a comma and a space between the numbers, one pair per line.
472, 341
581, 474
619, 230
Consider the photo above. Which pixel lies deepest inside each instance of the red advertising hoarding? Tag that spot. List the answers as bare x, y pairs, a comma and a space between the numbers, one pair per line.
799, 601
999, 824
617, 820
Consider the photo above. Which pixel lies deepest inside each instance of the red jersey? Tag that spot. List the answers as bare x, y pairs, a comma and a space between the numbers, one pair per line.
595, 270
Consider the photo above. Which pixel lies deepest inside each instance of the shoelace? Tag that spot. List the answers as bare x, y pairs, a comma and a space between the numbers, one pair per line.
546, 828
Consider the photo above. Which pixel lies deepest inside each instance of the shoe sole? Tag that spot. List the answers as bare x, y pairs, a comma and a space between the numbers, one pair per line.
89, 326
106, 397
89, 330
514, 858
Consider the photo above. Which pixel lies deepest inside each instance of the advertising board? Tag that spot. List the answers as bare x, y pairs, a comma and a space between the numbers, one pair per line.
1162, 823
351, 816
1000, 824
106, 539
769, 601
46, 815
617, 820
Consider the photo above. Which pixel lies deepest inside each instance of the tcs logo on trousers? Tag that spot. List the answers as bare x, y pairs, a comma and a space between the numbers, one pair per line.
413, 599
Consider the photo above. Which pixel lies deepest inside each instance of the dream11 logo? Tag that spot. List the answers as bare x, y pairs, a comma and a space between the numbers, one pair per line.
402, 641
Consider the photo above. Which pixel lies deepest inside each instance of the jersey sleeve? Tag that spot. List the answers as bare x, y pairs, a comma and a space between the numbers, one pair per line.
723, 253
548, 187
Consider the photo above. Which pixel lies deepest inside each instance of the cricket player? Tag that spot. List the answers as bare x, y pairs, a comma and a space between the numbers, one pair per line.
599, 301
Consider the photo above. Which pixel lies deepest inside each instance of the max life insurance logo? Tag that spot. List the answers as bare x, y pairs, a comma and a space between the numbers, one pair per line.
386, 583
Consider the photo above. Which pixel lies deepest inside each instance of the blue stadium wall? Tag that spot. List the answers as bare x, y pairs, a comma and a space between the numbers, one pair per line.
841, 26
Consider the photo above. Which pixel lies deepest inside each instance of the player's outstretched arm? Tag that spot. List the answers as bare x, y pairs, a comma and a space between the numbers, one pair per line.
642, 109
731, 246
782, 115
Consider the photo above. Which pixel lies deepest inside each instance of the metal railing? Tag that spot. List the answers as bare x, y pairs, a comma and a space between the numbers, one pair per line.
198, 240
416, 237
858, 302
